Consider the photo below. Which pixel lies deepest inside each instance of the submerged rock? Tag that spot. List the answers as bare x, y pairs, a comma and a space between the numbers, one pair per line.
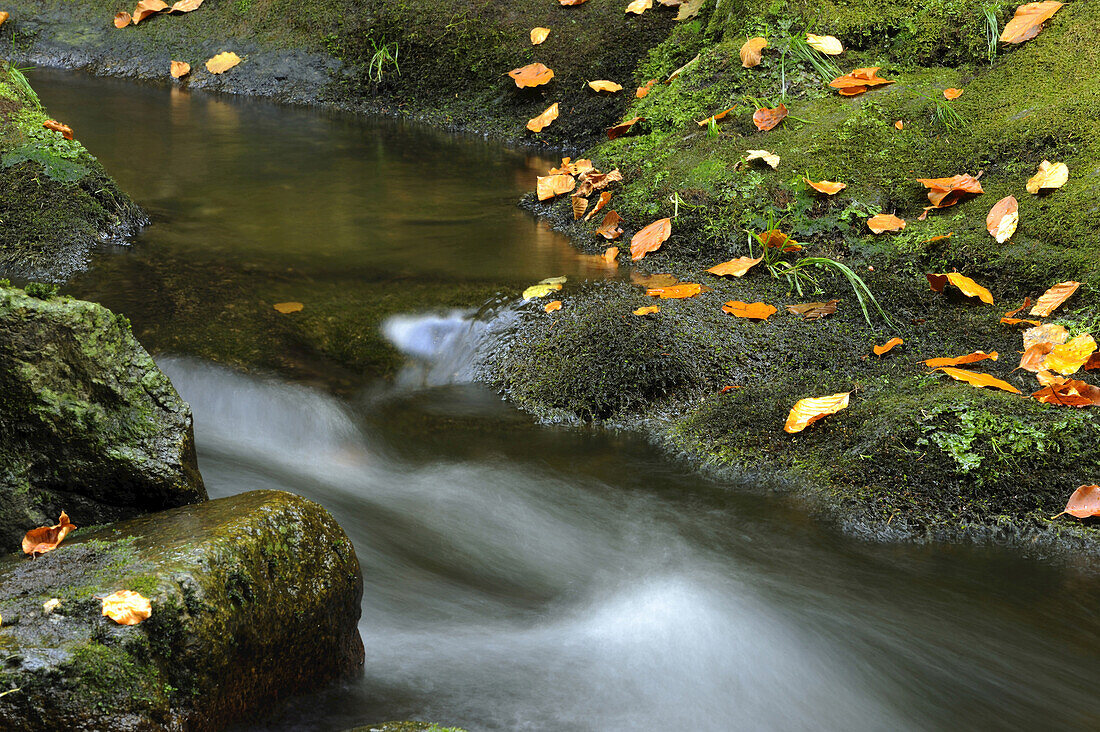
254, 597
88, 423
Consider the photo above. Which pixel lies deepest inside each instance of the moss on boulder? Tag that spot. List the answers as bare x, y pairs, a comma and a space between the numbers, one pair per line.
254, 597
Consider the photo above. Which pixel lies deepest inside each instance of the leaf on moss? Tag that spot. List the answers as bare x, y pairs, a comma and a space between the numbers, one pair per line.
885, 222
542, 289
538, 35
145, 8
639, 6
950, 94
622, 128
650, 238
766, 119
549, 186
126, 607
944, 192
735, 267
65, 130
828, 187
643, 91
531, 75
807, 411
1032, 358
288, 307
967, 286
1028, 21
677, 292
123, 19
716, 117
859, 81
579, 205
185, 6
1069, 393
752, 51
603, 85
1049, 333
935, 363
769, 158
979, 380
828, 45
222, 62
689, 9
604, 198
651, 310
538, 124
751, 311
610, 228
552, 306
813, 310
1048, 177
1068, 358
1053, 298
887, 346
1002, 219
47, 538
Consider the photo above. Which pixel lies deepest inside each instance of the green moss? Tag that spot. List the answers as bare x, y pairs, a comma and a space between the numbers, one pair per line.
115, 681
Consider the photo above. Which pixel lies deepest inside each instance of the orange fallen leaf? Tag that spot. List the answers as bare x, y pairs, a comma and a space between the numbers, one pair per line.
126, 607
677, 292
828, 45
46, 538
4, 17
766, 119
572, 2
899, 125
1093, 363
610, 228
288, 307
1053, 298
594, 181
539, 123
752, 311
731, 387
935, 363
123, 19
1069, 393
775, 239
185, 6
1048, 378
604, 198
885, 222
1049, 176
735, 267
643, 91
552, 306
639, 6
944, 192
1018, 321
549, 186
1032, 358
531, 75
716, 117
1010, 313
650, 238
979, 380
807, 411
967, 286
1002, 219
651, 310
813, 310
65, 130
603, 85
579, 206
610, 254
859, 81
753, 51
952, 93
180, 68
887, 346
1068, 358
1028, 21
622, 128
1049, 333
538, 35
828, 187
222, 62
145, 8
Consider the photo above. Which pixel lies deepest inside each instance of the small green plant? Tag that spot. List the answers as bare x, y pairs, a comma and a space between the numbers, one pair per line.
802, 51
20, 81
383, 58
992, 31
712, 128
41, 290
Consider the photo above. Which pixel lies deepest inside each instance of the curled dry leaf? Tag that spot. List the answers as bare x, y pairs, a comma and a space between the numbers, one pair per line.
1053, 298
887, 346
885, 222
766, 119
542, 289
1068, 358
643, 91
539, 123
1049, 333
531, 75
1028, 21
1093, 364
145, 8
651, 310
1032, 358
123, 19
609, 228
677, 292
603, 85
769, 158
807, 411
1010, 320
944, 192
775, 239
716, 117
751, 311
126, 607
813, 310
753, 51
604, 198
65, 130
549, 186
1049, 176
935, 363
552, 306
1002, 219
579, 206
288, 307
979, 380
1069, 393
950, 94
610, 254
735, 267
967, 286
46, 538
185, 6
622, 128
538, 35
828, 187
859, 81
639, 6
828, 45
179, 69
222, 62
650, 238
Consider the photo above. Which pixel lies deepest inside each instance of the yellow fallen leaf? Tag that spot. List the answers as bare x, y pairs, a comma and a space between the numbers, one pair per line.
603, 85
1003, 218
180, 68
580, 203
50, 605
145, 8
979, 380
288, 307
531, 75
1048, 333
1069, 357
967, 286
652, 309
123, 19
540, 290
639, 6
768, 157
538, 35
184, 6
753, 51
689, 9
222, 62
828, 45
715, 117
1028, 21
828, 187
126, 607
807, 411
1050, 175
735, 267
935, 363
539, 123
548, 186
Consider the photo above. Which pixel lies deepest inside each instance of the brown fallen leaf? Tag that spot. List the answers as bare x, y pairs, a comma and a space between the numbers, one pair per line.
1028, 21
751, 311
643, 91
539, 123
967, 286
828, 187
950, 94
552, 306
1069, 393
766, 119
622, 128
145, 8
677, 292
1027, 304
735, 267
944, 192
675, 74
603, 85
1002, 219
610, 228
650, 238
1049, 176
753, 51
599, 181
222, 62
288, 307
579, 206
828, 45
652, 280
65, 130
689, 9
1032, 358
549, 186
935, 363
885, 222
651, 310
859, 81
180, 69
776, 239
531, 75
123, 19
126, 607
610, 254
807, 411
538, 35
1068, 358
813, 310
1019, 321
1093, 363
979, 380
1053, 298
46, 538
1049, 333
604, 198
887, 346
639, 6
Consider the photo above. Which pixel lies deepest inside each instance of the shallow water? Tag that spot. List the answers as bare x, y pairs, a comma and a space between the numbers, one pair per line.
527, 577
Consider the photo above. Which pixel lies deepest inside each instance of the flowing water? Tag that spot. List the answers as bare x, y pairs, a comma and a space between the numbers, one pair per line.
517, 576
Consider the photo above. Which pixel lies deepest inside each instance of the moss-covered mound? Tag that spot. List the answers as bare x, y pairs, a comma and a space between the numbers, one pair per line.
88, 423
254, 597
56, 201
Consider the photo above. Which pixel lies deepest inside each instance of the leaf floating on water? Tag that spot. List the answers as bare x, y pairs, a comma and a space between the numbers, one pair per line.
967, 286
677, 292
652, 280
549, 186
180, 68
828, 45
751, 311
540, 290
859, 81
807, 411
122, 19
65, 130
538, 35
222, 62
126, 607
1028, 21
537, 124
651, 310
885, 222
887, 346
935, 363
813, 310
1053, 298
554, 280
950, 94
610, 228
979, 380
1002, 219
622, 128
1068, 358
603, 85
1084, 502
650, 238
145, 8
828, 187
531, 75
753, 51
639, 6
289, 307
47, 538
552, 306
770, 158
735, 267
1049, 176
766, 119
604, 198
610, 254
1049, 333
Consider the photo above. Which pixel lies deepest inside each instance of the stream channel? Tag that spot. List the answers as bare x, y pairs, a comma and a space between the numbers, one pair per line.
520, 576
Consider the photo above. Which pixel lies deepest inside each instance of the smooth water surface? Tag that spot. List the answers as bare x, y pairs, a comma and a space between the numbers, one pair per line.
521, 577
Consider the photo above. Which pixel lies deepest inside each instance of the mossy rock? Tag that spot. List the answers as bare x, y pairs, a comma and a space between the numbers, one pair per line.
255, 597
88, 423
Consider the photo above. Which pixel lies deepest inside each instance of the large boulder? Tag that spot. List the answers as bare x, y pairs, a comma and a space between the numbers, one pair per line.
88, 423
254, 597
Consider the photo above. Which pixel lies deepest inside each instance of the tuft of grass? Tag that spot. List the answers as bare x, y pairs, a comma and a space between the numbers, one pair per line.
383, 58
992, 31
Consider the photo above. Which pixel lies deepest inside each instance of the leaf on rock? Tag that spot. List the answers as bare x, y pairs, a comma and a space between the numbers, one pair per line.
753, 51
222, 62
967, 286
603, 85
1049, 333
735, 267
610, 254
813, 310
65, 130
1053, 298
185, 6
1002, 219
716, 118
1028, 21
552, 306
288, 307
542, 289
859, 81
539, 123
180, 68
1049, 176
766, 119
650, 238
651, 310
639, 6
579, 205
950, 94
46, 538
531, 75
549, 186
677, 292
145, 8
885, 222
807, 411
769, 158
1068, 358
126, 607
828, 45
887, 346
538, 35
935, 363
122, 19
828, 187
979, 380
604, 198
622, 128
610, 228
752, 311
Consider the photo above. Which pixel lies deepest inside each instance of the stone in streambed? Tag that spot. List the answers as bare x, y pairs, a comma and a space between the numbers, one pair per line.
254, 597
